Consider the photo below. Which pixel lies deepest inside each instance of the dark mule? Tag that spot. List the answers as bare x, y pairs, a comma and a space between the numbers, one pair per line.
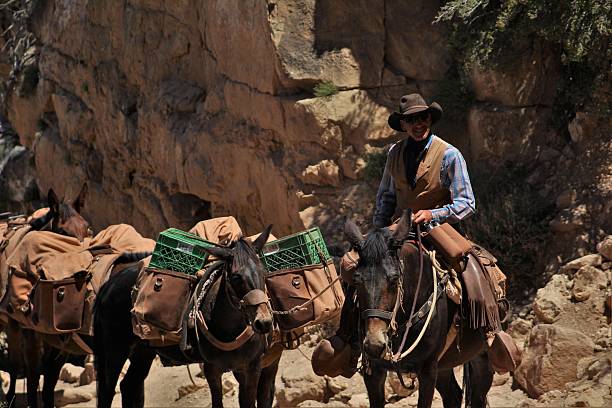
227, 311
377, 278
26, 350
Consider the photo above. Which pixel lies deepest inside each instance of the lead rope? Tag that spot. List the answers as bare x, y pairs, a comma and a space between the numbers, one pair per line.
395, 357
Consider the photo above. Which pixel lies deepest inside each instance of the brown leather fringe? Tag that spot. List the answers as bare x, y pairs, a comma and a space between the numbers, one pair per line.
483, 310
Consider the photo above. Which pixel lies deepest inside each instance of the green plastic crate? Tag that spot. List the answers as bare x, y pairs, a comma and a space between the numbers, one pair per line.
179, 251
295, 251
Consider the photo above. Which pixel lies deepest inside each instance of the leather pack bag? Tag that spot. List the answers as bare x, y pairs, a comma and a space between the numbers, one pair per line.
160, 300
316, 287
57, 305
450, 243
504, 354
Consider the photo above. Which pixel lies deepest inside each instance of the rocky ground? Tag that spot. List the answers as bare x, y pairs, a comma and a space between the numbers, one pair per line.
565, 336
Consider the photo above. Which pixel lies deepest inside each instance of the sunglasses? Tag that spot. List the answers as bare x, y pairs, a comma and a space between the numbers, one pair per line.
416, 118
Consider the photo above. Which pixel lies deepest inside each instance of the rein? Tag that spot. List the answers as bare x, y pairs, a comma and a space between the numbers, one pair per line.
409, 322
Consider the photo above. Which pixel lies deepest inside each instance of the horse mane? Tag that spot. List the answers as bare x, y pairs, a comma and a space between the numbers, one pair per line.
66, 211
243, 254
374, 249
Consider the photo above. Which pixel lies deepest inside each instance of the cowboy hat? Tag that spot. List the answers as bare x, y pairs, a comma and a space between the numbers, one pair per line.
413, 104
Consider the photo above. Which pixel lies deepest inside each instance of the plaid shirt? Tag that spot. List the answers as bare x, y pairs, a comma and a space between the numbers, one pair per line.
453, 176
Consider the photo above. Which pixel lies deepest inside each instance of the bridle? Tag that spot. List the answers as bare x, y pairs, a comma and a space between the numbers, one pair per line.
253, 297
390, 316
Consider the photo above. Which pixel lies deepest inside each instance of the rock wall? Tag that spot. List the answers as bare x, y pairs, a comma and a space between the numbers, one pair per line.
177, 111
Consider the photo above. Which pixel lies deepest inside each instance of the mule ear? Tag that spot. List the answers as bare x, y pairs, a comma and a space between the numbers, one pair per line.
353, 235
404, 225
53, 201
219, 252
262, 239
79, 202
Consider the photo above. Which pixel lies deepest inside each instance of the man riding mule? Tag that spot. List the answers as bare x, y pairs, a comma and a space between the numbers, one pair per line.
429, 176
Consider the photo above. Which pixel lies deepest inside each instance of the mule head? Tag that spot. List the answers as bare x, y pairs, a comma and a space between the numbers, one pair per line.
245, 280
66, 218
376, 279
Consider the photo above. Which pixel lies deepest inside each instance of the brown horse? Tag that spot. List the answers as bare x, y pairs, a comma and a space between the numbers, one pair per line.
25, 347
227, 310
379, 281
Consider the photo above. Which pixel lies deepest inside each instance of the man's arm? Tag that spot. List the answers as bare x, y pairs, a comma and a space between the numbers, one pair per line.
455, 177
385, 200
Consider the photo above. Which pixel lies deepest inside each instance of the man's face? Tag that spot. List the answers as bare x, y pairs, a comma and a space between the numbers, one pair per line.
417, 126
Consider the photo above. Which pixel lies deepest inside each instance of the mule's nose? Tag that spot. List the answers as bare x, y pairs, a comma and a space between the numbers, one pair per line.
375, 347
262, 326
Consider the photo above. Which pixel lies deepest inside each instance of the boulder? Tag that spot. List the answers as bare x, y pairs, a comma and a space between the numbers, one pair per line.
71, 396
324, 173
582, 126
594, 367
70, 373
551, 299
298, 385
576, 264
519, 329
550, 359
88, 375
605, 247
500, 379
359, 401
587, 280
396, 387
603, 338
319, 404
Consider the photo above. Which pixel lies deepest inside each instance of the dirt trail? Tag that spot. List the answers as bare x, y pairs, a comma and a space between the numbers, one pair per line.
164, 385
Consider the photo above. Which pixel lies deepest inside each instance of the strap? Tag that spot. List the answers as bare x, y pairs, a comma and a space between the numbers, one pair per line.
381, 314
81, 343
242, 338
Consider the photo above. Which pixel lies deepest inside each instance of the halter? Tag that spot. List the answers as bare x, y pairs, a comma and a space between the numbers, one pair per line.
254, 297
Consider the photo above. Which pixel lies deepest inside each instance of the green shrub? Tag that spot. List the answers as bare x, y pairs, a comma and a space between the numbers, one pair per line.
325, 89
375, 165
482, 32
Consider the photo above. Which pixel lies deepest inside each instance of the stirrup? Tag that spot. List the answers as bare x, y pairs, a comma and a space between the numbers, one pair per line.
504, 310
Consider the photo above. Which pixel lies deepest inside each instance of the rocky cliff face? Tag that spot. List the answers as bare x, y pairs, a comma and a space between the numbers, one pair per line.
178, 111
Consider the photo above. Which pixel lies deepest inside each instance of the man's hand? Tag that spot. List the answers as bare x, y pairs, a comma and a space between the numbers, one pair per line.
422, 216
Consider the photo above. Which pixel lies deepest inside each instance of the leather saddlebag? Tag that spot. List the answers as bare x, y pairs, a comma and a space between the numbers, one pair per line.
316, 287
160, 300
57, 305
450, 243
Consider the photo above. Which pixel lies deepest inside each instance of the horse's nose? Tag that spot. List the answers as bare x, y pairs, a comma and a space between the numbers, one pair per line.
375, 346
262, 326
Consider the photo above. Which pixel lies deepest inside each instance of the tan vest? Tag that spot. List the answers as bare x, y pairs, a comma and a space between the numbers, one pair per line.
428, 193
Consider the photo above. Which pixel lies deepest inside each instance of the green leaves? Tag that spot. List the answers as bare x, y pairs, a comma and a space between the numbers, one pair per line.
325, 89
